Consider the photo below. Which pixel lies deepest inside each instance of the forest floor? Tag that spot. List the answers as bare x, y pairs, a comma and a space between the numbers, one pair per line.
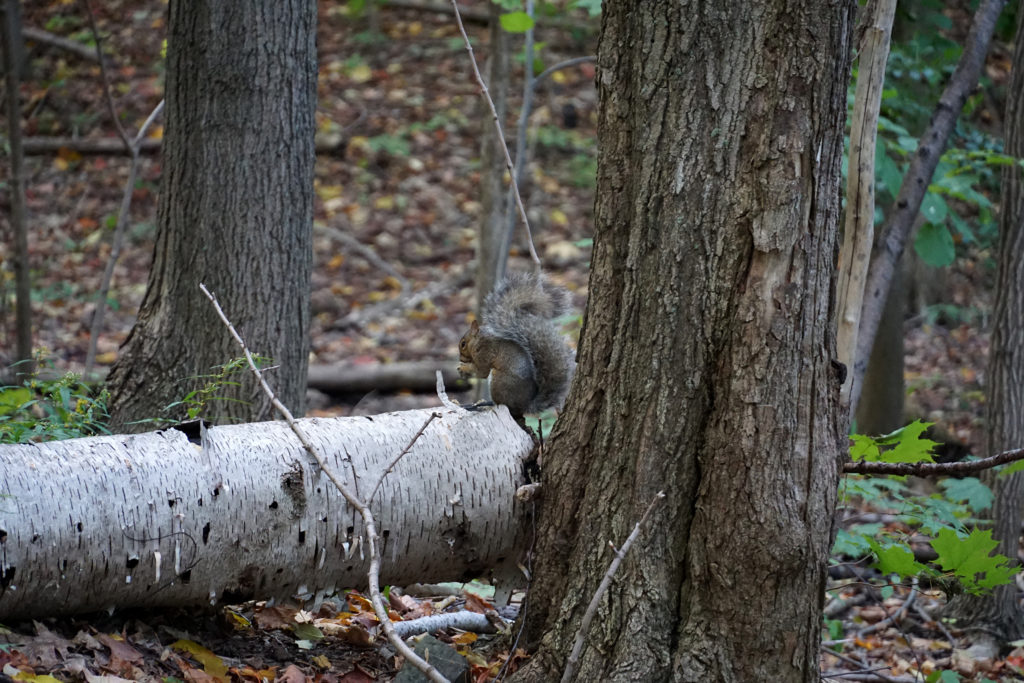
404, 182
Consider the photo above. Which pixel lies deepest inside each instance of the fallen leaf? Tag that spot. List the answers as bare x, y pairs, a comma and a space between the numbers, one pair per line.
292, 674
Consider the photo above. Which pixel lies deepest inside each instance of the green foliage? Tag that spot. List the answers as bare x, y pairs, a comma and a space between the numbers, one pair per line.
957, 208
51, 410
516, 22
395, 145
903, 445
934, 244
970, 559
965, 561
197, 401
583, 171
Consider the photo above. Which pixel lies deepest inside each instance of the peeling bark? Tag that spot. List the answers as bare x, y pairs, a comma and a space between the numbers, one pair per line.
154, 520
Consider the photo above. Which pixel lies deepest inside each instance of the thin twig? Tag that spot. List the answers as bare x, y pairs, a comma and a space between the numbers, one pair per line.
866, 675
121, 132
391, 465
46, 38
925, 469
562, 65
132, 146
501, 135
117, 240
938, 624
889, 619
521, 133
588, 616
863, 664
373, 574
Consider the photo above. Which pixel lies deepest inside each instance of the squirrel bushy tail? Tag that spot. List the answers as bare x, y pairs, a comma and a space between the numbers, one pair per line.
522, 308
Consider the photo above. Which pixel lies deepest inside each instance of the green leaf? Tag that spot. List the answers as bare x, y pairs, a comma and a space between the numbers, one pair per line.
934, 244
308, 632
969, 489
14, 398
863, 448
895, 559
835, 628
888, 172
970, 561
517, 22
934, 207
963, 228
946, 676
855, 542
907, 444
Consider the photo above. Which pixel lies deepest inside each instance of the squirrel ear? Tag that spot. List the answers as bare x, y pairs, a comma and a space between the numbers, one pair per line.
474, 326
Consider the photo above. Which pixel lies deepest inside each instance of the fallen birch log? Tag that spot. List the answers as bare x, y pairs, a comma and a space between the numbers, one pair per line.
153, 519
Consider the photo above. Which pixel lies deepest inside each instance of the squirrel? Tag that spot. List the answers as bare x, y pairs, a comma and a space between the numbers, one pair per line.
519, 346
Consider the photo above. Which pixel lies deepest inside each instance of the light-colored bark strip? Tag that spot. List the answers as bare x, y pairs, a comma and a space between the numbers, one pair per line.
859, 233
152, 519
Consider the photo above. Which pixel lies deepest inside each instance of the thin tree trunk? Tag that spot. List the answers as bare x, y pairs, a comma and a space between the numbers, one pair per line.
492, 247
235, 211
154, 520
706, 358
897, 227
19, 227
997, 617
859, 228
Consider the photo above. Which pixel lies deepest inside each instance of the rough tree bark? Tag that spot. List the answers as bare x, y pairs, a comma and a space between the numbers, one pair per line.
705, 365
154, 520
12, 58
235, 211
997, 618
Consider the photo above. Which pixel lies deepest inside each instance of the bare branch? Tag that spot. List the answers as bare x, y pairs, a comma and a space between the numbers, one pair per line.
46, 38
118, 239
546, 73
925, 469
372, 540
391, 466
121, 132
501, 135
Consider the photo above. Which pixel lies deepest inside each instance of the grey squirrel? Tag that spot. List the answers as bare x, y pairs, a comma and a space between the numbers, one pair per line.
517, 344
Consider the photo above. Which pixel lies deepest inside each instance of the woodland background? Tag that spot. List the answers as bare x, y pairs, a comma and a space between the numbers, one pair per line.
401, 121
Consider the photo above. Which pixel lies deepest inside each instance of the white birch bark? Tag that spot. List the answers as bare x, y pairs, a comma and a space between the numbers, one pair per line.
152, 519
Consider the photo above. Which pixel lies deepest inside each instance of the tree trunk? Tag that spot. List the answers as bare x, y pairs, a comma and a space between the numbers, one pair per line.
705, 365
492, 247
13, 56
998, 617
154, 520
880, 409
235, 211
